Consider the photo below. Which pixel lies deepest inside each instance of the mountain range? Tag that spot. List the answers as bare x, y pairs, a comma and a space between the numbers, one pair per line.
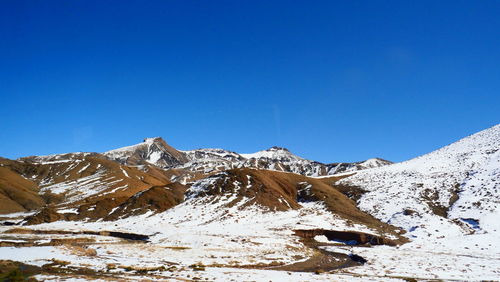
99, 184
428, 206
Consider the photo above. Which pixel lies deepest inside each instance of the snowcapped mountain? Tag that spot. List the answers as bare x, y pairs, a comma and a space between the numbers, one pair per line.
210, 160
281, 159
274, 153
81, 182
157, 152
372, 163
336, 168
455, 189
153, 151
95, 185
57, 158
220, 215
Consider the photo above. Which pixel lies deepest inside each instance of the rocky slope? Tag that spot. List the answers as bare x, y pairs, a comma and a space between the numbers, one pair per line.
76, 187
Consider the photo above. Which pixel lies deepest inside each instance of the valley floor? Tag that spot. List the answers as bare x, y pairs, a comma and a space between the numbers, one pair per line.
194, 241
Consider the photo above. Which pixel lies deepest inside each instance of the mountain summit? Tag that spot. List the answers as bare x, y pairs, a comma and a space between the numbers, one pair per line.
153, 151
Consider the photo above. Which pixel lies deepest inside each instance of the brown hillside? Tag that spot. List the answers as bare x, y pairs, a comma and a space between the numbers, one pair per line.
17, 194
282, 191
90, 185
156, 199
262, 187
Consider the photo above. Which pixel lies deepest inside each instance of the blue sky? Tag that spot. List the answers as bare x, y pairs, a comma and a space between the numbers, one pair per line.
330, 80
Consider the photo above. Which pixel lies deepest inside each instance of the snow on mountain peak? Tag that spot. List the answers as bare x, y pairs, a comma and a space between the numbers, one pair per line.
151, 140
277, 148
157, 152
374, 162
153, 150
276, 153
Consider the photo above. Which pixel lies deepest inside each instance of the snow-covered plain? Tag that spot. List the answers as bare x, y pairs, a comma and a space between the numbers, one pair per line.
226, 241
199, 231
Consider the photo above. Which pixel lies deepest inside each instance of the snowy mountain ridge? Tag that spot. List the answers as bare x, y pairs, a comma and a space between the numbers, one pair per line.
457, 185
157, 152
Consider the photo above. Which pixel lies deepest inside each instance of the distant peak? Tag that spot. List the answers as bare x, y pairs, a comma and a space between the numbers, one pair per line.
153, 139
277, 148
375, 162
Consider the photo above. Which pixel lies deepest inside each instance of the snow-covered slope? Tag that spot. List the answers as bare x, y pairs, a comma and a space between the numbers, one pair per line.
454, 190
281, 159
274, 153
372, 163
56, 158
208, 160
336, 168
274, 158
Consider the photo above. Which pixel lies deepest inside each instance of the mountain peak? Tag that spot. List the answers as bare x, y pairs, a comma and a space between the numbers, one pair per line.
152, 150
153, 139
277, 148
275, 152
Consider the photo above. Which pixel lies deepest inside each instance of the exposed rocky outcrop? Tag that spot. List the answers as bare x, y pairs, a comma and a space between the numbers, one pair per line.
48, 214
349, 237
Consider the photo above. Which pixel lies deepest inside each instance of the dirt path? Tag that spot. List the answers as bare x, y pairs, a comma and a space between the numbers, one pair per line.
321, 261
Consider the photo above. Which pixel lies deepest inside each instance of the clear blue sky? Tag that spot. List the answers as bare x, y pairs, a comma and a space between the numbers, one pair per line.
330, 80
